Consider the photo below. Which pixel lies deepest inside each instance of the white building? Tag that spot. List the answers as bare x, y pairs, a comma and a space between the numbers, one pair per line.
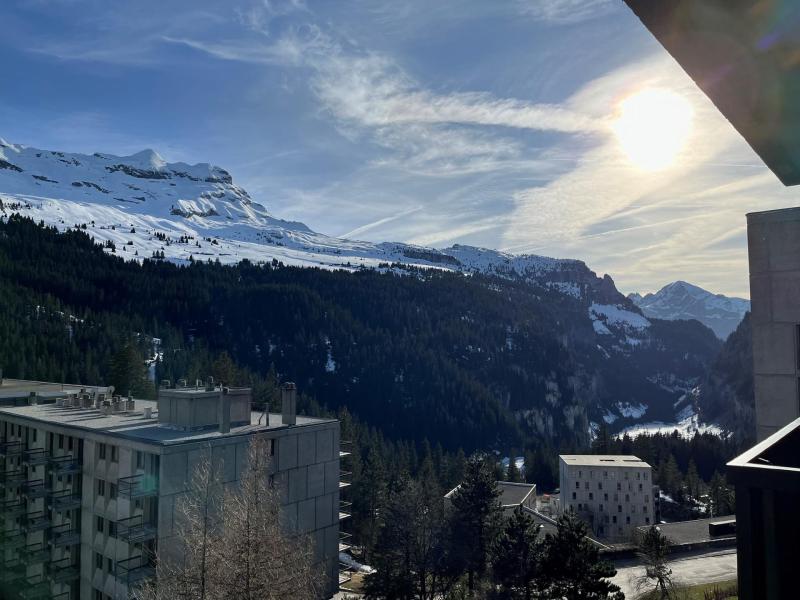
89, 481
613, 494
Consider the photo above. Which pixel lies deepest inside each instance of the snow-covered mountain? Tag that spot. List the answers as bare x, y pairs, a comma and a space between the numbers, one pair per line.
681, 300
140, 206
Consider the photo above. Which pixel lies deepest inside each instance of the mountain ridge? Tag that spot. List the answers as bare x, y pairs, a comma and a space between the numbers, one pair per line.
681, 300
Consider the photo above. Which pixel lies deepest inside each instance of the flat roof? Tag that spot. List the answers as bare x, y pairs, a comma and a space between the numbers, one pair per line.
692, 532
603, 460
514, 494
18, 388
778, 215
131, 425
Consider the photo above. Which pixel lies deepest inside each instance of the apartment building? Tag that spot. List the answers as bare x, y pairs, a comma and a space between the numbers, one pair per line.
613, 494
89, 481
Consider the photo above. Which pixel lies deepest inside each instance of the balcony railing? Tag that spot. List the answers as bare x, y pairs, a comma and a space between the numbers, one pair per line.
64, 465
12, 508
137, 568
38, 521
345, 448
12, 539
135, 529
35, 553
12, 479
138, 486
63, 571
34, 588
345, 479
37, 456
345, 573
12, 570
344, 510
65, 535
34, 488
344, 541
64, 500
12, 448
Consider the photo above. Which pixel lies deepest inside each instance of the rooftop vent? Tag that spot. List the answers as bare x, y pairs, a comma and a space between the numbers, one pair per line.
166, 383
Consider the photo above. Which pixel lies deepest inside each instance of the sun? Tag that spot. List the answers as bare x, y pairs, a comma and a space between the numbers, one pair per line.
652, 127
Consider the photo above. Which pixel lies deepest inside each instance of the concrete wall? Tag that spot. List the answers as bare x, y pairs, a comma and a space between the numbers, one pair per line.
596, 494
773, 239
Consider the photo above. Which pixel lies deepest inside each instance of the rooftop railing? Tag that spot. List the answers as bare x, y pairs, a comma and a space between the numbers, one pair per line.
138, 486
135, 529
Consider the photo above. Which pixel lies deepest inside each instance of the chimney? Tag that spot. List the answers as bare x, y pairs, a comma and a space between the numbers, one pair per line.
289, 403
224, 411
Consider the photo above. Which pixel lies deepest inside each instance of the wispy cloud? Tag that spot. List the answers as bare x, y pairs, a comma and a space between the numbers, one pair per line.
566, 11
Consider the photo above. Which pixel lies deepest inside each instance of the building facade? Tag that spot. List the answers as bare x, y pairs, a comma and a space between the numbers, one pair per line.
773, 239
89, 482
612, 494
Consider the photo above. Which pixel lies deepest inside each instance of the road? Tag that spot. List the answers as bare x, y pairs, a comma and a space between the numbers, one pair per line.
687, 569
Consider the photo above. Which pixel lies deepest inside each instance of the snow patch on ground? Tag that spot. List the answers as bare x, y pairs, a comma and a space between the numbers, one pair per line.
631, 411
351, 562
687, 424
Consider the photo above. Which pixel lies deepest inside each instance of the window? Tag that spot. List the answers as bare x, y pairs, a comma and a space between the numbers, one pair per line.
577, 485
640, 487
98, 595
628, 520
101, 488
114, 454
601, 508
605, 474
645, 475
60, 441
647, 520
139, 460
69, 443
100, 524
647, 498
112, 491
627, 498
605, 497
101, 451
614, 519
644, 509
586, 485
272, 447
574, 495
638, 475
591, 496
98, 564
619, 487
110, 565
619, 508
34, 435
112, 529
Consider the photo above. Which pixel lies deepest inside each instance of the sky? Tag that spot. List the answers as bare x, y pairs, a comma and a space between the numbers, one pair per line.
488, 123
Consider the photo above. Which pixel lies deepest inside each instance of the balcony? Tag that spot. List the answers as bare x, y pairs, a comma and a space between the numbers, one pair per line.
135, 530
344, 510
345, 479
38, 521
64, 465
35, 457
138, 486
13, 570
34, 554
345, 573
10, 449
65, 535
34, 588
64, 500
137, 568
12, 479
345, 449
12, 539
34, 488
344, 541
63, 571
12, 508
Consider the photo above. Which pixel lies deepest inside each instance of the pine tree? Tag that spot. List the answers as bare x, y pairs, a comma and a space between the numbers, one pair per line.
572, 568
693, 480
129, 374
516, 557
654, 547
477, 515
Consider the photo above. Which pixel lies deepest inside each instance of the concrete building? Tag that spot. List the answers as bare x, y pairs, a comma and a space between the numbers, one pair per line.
613, 494
773, 239
89, 481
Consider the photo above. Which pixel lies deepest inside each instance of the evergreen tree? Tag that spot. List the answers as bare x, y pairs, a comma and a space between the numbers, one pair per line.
693, 481
477, 517
513, 474
516, 557
572, 568
720, 496
654, 548
128, 373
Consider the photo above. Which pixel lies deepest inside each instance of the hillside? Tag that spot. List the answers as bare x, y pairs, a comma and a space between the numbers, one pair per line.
476, 361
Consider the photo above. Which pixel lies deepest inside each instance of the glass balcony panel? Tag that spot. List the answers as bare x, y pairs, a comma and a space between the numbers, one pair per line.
64, 465
38, 521
34, 488
137, 568
63, 571
10, 448
35, 553
65, 535
135, 530
64, 500
138, 486
12, 479
12, 508
37, 456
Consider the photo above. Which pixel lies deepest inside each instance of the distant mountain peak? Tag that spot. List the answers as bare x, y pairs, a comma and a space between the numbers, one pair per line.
681, 300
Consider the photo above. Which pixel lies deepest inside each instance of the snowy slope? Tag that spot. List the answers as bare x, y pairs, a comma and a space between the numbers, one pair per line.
681, 300
145, 205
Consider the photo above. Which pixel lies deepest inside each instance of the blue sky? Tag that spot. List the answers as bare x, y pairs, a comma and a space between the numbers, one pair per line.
483, 122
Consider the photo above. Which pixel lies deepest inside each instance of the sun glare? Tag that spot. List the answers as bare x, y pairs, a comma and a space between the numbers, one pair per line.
652, 127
